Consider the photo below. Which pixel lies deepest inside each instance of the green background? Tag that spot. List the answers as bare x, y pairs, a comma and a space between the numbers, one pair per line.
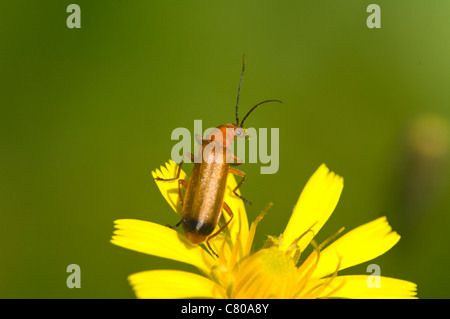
86, 114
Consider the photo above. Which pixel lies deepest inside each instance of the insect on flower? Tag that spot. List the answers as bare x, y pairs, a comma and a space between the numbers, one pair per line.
204, 198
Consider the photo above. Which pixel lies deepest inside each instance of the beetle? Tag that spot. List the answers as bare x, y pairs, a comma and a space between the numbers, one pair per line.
205, 191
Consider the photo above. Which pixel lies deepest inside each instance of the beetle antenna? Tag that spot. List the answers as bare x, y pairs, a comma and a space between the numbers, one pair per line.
251, 110
239, 89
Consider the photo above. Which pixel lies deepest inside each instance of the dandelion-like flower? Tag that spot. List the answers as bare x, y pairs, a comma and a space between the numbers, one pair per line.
278, 269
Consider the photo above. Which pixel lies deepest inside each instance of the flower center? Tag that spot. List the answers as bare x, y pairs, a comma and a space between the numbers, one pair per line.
268, 273
275, 263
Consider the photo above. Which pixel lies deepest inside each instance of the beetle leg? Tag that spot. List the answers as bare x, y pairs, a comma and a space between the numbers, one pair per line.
243, 175
231, 215
179, 169
185, 184
212, 250
236, 161
173, 227
199, 139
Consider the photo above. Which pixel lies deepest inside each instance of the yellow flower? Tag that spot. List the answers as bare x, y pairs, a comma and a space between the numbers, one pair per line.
278, 270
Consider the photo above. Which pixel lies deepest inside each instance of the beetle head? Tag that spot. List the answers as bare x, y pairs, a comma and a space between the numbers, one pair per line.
225, 135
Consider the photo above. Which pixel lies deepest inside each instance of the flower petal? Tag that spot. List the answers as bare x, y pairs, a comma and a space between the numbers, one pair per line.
314, 206
359, 245
171, 284
169, 189
161, 241
357, 287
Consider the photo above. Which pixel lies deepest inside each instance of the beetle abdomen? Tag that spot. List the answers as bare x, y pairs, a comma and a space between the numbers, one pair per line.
192, 225
197, 231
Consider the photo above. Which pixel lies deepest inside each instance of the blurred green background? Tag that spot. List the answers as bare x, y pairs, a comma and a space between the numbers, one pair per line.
86, 114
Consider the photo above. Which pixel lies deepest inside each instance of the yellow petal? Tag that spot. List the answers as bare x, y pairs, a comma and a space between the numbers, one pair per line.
171, 284
161, 241
314, 206
362, 244
251, 235
170, 189
357, 287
